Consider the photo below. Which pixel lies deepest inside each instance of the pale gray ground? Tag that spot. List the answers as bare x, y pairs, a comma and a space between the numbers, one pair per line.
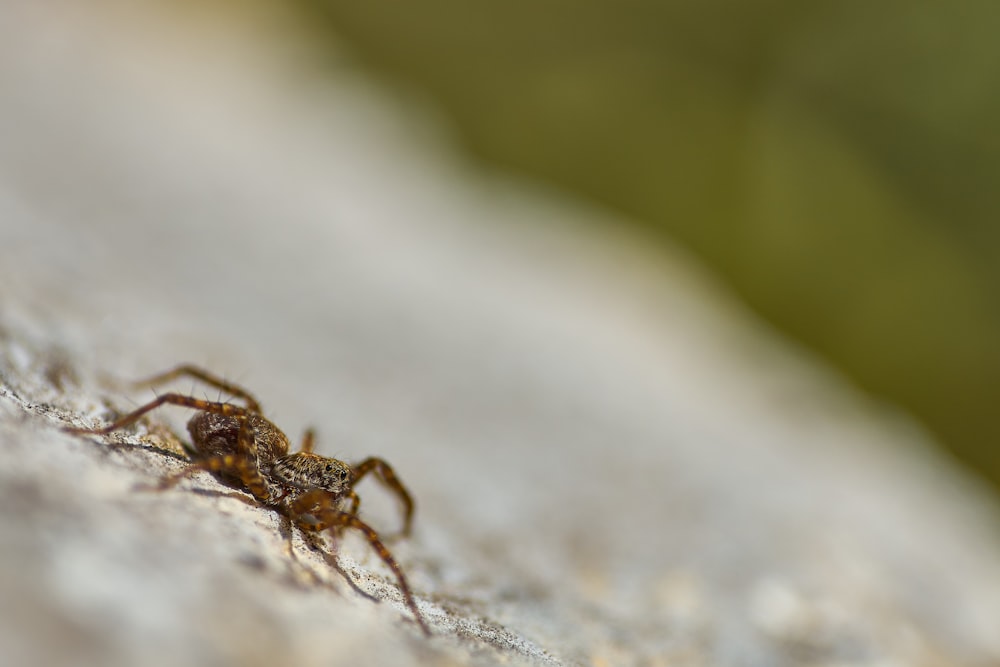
613, 464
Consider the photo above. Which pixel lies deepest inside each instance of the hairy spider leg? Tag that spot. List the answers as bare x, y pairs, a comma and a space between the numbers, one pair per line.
245, 464
387, 476
353, 509
315, 511
231, 464
355, 501
227, 409
308, 441
187, 370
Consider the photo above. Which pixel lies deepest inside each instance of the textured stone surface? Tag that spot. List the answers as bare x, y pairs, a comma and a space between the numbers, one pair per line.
613, 465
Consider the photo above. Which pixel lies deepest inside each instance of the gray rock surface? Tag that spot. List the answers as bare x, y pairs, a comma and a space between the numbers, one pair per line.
613, 464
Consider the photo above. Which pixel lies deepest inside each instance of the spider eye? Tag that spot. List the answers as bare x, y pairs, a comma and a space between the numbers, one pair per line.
329, 467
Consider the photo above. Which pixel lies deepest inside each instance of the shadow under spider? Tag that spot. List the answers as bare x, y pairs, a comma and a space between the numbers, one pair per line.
287, 530
105, 449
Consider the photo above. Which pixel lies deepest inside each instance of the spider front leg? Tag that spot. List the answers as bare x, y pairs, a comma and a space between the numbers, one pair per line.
353, 508
355, 501
387, 476
316, 510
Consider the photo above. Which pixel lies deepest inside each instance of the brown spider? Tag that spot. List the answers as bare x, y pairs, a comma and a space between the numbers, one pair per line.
248, 451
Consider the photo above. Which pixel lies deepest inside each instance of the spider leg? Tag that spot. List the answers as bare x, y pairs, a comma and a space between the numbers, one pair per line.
187, 370
243, 465
355, 506
224, 462
308, 440
315, 510
227, 409
387, 476
355, 501
247, 467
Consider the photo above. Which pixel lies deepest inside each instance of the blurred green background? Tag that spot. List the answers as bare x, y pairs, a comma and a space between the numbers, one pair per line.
836, 163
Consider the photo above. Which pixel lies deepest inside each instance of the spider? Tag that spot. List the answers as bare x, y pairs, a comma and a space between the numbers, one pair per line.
247, 451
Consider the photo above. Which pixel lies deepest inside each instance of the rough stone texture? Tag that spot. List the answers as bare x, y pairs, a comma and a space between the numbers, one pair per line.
613, 464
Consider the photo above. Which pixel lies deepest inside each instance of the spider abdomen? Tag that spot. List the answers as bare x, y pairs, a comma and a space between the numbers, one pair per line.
217, 435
